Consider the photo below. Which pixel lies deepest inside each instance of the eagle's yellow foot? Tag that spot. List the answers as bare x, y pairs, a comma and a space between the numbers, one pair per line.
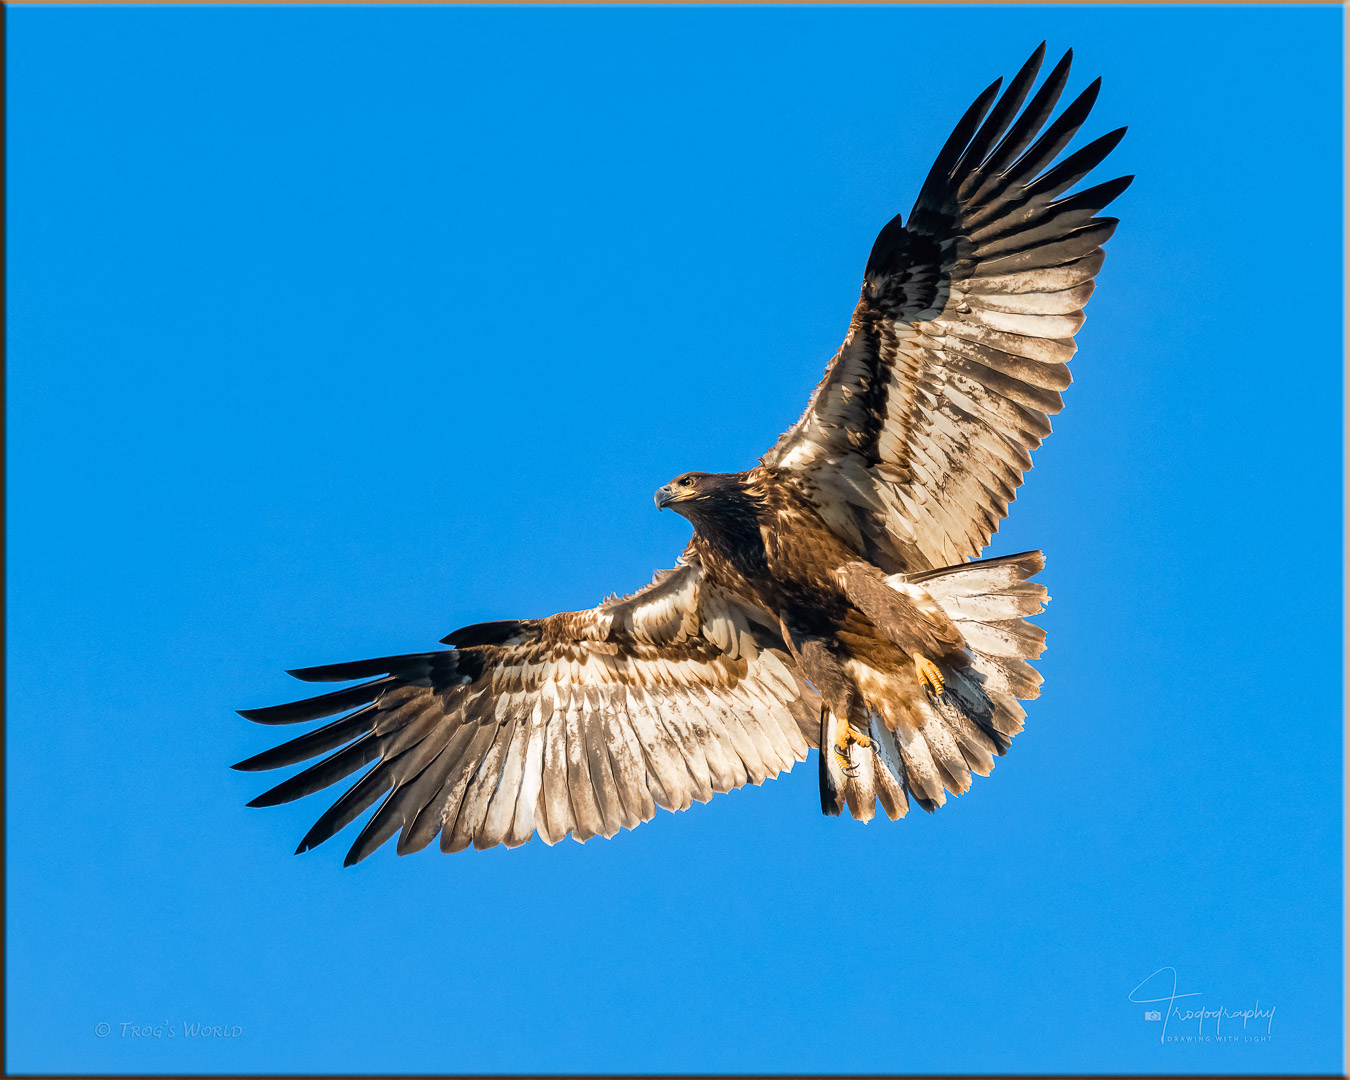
848, 737
929, 674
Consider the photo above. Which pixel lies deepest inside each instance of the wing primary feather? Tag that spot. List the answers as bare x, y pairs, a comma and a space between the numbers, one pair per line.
1074, 245
426, 823
1001, 116
328, 771
956, 142
316, 742
1076, 166
359, 669
1041, 221
1057, 135
354, 801
483, 633
1005, 191
296, 712
1024, 129
419, 781
1098, 197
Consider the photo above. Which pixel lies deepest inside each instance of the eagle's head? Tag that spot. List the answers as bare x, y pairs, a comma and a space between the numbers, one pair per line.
693, 492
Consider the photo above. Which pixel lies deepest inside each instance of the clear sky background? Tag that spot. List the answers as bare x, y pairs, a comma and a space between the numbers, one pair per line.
333, 330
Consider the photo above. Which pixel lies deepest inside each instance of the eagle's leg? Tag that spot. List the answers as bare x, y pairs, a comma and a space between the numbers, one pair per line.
929, 674
848, 737
839, 699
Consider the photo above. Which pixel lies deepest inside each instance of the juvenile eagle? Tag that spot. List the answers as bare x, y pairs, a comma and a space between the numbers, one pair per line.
826, 598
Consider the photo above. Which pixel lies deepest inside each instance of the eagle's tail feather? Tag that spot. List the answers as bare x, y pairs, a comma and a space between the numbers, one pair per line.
962, 727
860, 792
831, 778
856, 788
990, 601
890, 770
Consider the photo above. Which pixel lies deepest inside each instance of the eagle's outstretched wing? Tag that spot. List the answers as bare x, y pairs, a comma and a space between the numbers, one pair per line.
917, 437
580, 723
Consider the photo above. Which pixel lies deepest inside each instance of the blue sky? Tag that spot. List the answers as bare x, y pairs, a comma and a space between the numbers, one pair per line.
333, 330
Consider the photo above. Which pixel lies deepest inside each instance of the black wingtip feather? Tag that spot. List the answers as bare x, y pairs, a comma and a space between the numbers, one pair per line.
296, 712
350, 805
1031, 121
1097, 198
311, 744
1073, 168
483, 633
352, 669
324, 773
1058, 134
999, 117
956, 142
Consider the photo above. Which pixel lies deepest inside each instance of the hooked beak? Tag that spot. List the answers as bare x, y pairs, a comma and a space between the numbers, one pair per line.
664, 497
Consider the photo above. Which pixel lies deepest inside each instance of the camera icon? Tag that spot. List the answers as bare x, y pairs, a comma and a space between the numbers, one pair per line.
1152, 1014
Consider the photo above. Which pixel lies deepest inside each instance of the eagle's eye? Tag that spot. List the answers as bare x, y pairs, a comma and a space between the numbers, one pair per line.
687, 481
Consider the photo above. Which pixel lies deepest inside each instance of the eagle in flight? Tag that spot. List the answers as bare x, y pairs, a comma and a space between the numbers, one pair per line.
828, 597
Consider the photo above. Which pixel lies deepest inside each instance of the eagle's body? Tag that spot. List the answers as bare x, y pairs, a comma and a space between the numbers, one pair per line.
827, 597
759, 538
862, 640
